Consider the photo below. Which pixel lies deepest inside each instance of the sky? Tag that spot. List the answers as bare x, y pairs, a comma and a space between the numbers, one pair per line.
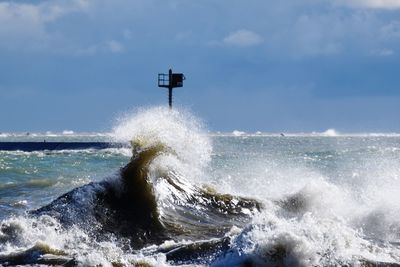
250, 65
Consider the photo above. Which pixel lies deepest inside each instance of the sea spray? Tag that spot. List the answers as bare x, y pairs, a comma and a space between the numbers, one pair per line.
306, 200
177, 129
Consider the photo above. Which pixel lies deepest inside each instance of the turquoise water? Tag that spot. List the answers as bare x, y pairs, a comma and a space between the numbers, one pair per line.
31, 180
345, 191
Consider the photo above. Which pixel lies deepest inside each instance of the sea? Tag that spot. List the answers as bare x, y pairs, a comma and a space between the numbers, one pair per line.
181, 195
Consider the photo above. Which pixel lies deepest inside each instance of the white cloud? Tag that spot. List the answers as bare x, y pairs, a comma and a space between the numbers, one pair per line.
112, 46
391, 30
127, 33
115, 46
385, 52
384, 4
243, 38
16, 19
313, 35
24, 25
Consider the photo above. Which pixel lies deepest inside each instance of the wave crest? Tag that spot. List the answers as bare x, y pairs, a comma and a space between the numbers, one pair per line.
176, 129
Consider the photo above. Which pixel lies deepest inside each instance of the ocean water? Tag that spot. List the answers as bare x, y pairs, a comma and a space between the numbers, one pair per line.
208, 199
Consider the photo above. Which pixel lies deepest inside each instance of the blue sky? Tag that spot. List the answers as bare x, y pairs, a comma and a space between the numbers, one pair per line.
254, 65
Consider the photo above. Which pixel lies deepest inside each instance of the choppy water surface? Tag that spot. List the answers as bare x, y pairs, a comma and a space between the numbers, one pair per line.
220, 200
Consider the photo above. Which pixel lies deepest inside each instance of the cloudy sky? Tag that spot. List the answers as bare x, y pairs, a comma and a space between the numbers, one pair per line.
252, 65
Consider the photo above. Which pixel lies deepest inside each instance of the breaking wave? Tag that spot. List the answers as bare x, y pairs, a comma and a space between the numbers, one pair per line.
157, 211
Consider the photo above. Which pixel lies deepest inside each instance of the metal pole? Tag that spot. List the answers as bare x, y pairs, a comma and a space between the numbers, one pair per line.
170, 89
170, 97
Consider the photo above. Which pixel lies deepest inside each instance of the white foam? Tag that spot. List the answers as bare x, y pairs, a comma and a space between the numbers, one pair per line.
350, 216
176, 129
21, 203
330, 132
20, 233
238, 133
307, 240
349, 206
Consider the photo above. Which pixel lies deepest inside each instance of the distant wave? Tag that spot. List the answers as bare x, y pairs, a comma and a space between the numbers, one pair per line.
327, 133
111, 135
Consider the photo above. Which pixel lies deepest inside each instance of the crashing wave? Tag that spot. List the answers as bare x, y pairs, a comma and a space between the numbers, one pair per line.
130, 206
156, 212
